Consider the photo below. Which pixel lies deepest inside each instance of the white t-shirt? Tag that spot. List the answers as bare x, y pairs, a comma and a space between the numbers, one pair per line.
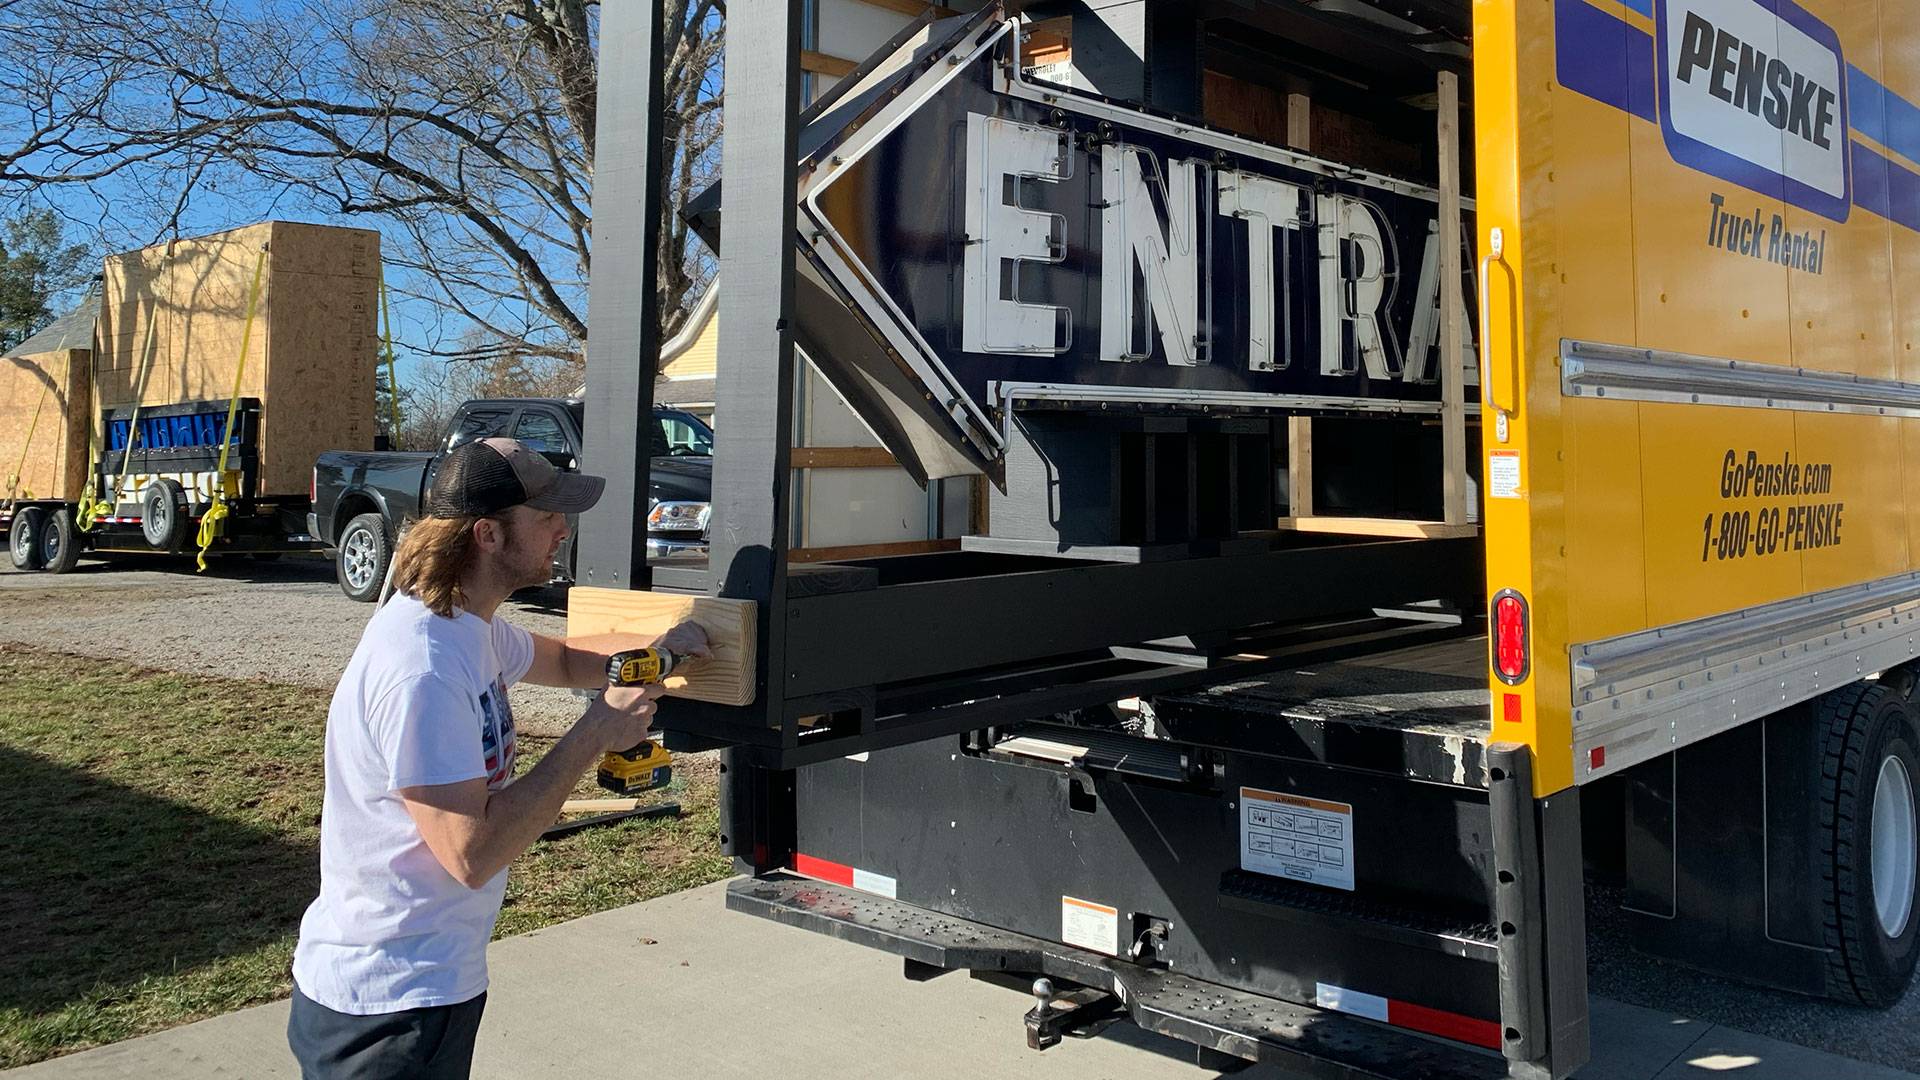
423, 701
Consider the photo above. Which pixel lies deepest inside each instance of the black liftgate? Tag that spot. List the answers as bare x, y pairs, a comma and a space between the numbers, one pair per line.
932, 743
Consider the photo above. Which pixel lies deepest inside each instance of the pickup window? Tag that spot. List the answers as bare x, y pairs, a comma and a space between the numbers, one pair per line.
541, 430
478, 424
676, 436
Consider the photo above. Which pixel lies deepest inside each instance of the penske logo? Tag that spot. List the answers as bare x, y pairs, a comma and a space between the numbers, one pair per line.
1743, 75
1756, 95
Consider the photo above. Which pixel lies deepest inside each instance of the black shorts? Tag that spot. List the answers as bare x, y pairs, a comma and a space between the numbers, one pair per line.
434, 1043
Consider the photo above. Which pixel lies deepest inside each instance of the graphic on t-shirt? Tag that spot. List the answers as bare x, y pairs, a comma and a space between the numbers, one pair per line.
497, 740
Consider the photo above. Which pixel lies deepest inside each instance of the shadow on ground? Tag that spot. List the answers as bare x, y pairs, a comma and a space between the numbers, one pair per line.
105, 884
1888, 1037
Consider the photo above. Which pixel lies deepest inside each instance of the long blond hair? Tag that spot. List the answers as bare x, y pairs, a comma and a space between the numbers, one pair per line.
433, 555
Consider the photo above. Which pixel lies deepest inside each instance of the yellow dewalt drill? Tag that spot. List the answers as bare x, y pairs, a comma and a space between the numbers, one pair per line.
648, 766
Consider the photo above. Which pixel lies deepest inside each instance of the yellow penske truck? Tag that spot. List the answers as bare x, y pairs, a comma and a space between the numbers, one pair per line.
1423, 459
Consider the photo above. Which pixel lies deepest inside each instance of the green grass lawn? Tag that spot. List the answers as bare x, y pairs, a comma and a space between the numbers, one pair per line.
159, 839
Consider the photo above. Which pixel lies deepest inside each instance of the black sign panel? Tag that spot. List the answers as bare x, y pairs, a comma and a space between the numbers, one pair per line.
999, 238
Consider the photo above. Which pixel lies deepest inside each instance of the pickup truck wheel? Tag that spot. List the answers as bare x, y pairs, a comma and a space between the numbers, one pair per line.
163, 515
23, 539
364, 555
1870, 829
59, 543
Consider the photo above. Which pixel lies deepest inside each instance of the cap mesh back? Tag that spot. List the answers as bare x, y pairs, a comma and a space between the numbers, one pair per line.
474, 479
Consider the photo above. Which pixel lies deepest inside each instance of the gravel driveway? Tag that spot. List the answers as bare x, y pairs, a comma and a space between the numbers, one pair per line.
287, 621
284, 621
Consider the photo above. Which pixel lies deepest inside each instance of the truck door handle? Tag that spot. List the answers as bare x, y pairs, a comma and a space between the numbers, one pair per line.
1509, 403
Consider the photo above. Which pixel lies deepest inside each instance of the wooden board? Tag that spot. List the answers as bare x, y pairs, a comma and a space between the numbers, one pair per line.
47, 452
598, 806
821, 64
726, 679
1453, 409
1359, 526
842, 457
872, 551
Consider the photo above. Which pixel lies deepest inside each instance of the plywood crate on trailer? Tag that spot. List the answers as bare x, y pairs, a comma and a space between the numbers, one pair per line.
311, 355
49, 454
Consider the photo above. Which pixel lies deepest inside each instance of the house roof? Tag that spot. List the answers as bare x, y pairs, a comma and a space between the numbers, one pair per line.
74, 330
696, 391
680, 342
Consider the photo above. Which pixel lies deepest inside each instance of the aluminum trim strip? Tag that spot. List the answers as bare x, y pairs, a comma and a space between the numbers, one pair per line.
1004, 395
1640, 695
1599, 370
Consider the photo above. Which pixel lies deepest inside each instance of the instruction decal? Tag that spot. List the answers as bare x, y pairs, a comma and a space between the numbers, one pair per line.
1090, 925
1294, 837
1792, 515
1503, 474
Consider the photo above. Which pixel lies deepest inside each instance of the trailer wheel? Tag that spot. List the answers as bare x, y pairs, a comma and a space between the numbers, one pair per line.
1870, 829
364, 555
163, 515
23, 539
59, 543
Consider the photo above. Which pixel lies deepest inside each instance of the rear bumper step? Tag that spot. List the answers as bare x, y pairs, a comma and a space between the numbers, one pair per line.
1316, 1042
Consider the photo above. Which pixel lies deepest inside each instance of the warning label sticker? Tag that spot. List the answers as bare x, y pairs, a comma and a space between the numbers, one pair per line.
1503, 474
1090, 925
1294, 837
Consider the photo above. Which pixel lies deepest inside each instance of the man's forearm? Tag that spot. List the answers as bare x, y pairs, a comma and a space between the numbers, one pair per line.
518, 813
584, 659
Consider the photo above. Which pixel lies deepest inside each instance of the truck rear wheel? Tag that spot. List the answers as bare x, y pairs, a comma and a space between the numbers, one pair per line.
364, 556
1870, 829
23, 538
59, 543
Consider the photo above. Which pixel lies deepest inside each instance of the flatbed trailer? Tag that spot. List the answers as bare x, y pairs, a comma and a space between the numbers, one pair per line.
156, 491
1342, 598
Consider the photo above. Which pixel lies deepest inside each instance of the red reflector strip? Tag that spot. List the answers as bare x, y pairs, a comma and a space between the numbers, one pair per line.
824, 870
1510, 707
1447, 1025
851, 876
1597, 758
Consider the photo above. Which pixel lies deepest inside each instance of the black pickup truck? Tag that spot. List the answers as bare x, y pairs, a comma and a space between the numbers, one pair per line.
361, 500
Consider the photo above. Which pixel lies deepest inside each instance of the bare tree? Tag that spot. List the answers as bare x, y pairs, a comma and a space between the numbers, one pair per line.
465, 126
435, 394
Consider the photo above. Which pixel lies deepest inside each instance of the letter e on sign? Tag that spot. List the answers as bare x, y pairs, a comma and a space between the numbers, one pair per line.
1001, 231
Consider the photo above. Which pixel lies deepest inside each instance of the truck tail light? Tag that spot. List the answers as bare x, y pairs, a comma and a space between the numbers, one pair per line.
1511, 661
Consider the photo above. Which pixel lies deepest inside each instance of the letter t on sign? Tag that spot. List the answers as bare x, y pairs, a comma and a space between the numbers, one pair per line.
1000, 230
1265, 205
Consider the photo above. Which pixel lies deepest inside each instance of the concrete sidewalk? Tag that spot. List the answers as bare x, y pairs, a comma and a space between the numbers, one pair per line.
681, 987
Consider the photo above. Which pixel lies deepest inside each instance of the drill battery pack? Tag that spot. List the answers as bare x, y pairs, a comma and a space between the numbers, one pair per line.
647, 767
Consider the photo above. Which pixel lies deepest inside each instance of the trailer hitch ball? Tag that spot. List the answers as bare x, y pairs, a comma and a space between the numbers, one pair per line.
1081, 1012
1043, 1027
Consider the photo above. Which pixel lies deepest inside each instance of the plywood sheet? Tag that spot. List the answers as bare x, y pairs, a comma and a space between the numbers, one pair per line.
727, 678
48, 452
309, 359
319, 392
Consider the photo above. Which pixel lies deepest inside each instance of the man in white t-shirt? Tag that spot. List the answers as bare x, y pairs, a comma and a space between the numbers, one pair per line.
422, 812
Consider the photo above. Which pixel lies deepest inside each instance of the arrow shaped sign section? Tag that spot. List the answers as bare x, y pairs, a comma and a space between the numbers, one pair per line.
971, 238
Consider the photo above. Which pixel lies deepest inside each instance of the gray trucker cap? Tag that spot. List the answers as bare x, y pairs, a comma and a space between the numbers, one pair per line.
491, 475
